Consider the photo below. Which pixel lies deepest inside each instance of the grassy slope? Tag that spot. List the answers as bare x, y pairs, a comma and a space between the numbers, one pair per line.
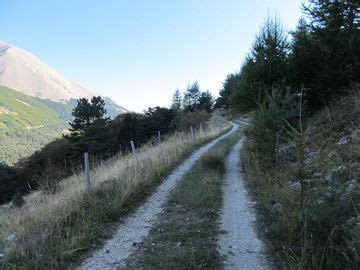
185, 236
331, 193
55, 231
28, 123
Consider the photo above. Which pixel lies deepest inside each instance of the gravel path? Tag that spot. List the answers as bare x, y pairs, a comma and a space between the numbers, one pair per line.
240, 244
137, 226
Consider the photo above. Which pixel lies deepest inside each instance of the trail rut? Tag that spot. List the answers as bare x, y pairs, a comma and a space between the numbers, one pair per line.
137, 226
240, 244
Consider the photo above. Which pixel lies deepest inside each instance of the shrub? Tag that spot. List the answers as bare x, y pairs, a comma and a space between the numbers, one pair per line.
18, 199
213, 160
185, 120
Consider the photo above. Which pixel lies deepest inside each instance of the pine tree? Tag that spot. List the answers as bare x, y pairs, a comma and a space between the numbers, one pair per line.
229, 87
325, 51
176, 102
191, 97
206, 101
88, 114
265, 68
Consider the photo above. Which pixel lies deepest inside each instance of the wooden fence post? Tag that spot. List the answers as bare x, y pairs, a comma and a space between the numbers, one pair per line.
159, 137
87, 172
159, 142
133, 150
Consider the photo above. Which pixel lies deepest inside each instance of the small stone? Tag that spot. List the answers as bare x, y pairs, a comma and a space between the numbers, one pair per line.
10, 238
107, 251
339, 169
295, 185
327, 179
350, 185
277, 207
178, 244
2, 256
343, 141
134, 244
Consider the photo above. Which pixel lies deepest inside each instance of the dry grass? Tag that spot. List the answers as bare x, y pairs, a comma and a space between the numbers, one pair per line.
320, 228
51, 230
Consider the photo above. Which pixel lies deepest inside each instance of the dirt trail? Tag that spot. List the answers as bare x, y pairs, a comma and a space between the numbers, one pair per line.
240, 244
137, 226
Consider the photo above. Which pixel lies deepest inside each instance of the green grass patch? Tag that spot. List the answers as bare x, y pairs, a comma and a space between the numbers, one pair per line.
28, 123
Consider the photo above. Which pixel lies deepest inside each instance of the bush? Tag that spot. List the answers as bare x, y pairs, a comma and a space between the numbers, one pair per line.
213, 160
268, 125
18, 200
316, 226
185, 120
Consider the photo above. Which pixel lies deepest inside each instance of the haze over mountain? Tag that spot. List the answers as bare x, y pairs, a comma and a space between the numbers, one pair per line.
22, 71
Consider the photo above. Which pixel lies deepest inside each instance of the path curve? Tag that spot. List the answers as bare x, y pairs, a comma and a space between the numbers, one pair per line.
137, 226
242, 247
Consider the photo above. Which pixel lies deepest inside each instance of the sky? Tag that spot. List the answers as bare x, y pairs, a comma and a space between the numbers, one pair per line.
137, 52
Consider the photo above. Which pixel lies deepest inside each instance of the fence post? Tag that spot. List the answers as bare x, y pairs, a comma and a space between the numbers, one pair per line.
159, 142
192, 132
176, 136
133, 150
159, 137
87, 172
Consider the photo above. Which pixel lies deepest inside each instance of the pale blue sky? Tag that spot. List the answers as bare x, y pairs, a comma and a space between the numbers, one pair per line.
138, 52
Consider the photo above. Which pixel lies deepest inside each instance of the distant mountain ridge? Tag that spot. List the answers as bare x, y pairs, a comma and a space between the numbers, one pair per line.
22, 71
35, 103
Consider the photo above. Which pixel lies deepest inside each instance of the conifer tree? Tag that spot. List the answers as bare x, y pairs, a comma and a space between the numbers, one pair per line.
176, 102
88, 114
191, 97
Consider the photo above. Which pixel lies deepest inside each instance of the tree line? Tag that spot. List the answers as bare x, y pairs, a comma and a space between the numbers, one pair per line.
321, 58
287, 81
92, 131
313, 65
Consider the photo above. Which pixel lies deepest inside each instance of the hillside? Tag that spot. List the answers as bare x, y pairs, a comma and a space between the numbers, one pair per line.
28, 123
35, 103
24, 72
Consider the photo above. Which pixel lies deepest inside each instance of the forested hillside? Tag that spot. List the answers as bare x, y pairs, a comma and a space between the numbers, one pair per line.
28, 123
92, 131
302, 150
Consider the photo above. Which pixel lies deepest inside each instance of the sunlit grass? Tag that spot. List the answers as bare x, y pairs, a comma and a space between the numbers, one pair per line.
51, 230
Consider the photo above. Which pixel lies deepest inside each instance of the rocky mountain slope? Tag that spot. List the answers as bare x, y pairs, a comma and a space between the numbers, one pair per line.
35, 103
24, 72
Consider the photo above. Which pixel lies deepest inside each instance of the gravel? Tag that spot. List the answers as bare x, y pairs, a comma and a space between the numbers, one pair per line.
240, 244
138, 225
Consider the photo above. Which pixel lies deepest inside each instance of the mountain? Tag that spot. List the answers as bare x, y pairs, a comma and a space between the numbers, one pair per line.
35, 103
22, 71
